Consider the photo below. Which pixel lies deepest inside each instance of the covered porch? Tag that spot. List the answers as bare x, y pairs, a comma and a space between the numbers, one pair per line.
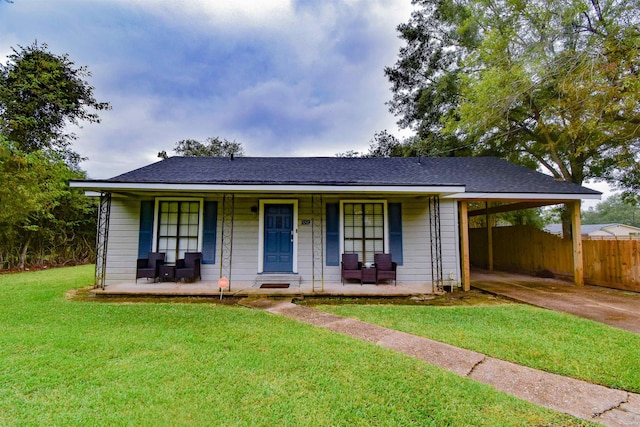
315, 238
241, 289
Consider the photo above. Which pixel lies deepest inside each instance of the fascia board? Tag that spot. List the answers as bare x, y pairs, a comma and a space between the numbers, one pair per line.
272, 188
521, 196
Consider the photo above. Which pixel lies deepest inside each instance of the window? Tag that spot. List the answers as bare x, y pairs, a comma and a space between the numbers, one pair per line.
178, 227
364, 229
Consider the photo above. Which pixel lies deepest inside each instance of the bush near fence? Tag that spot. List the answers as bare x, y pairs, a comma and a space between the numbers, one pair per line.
613, 263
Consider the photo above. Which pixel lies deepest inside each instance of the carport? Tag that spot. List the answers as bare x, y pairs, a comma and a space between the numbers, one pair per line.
610, 306
499, 203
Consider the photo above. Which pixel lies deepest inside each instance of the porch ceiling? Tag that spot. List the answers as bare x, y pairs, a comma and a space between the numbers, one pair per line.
513, 207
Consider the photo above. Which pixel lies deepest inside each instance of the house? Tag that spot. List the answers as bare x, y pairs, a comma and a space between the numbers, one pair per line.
599, 230
283, 219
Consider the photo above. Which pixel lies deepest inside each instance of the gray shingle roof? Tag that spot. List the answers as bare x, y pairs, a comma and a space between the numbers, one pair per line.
478, 174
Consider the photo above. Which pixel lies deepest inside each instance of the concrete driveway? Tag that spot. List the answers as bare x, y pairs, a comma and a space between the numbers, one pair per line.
613, 307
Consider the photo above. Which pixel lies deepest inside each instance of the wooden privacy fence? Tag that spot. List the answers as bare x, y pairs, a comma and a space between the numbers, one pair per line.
610, 263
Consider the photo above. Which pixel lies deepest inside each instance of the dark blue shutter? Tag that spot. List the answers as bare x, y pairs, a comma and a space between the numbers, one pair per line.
395, 231
145, 236
333, 234
209, 228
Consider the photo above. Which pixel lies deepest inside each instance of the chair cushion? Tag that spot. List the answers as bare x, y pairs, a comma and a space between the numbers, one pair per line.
350, 262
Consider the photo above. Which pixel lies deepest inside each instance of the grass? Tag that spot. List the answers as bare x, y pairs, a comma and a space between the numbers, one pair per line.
543, 339
65, 362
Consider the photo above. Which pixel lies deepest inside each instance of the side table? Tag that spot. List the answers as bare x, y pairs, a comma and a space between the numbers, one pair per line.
167, 272
369, 275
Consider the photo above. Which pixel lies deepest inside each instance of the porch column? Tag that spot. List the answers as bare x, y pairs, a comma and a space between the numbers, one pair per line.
576, 235
226, 240
464, 245
102, 238
489, 221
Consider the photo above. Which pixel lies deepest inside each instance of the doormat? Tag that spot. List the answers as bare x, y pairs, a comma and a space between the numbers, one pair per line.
274, 286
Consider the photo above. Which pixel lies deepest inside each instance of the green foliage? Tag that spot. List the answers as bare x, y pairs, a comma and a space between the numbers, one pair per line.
73, 363
214, 147
40, 213
349, 154
384, 144
40, 94
613, 210
42, 220
532, 216
546, 83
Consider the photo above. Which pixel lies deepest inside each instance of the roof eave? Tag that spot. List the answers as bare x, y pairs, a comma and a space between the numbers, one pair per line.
110, 186
522, 196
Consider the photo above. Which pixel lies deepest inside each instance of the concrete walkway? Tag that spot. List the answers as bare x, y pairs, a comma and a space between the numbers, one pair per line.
578, 398
610, 306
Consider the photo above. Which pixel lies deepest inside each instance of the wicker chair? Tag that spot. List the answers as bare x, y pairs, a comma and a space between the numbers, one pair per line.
148, 267
351, 268
189, 267
385, 268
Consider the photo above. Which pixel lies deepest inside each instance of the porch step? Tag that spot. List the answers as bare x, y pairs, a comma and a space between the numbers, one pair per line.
292, 280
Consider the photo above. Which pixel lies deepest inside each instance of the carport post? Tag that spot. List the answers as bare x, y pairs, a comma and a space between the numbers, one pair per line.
489, 221
576, 235
464, 246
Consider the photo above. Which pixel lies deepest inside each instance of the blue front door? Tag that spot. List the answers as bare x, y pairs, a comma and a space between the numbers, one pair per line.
278, 238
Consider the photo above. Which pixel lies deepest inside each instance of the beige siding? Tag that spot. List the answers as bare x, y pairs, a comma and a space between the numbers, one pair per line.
246, 251
450, 240
245, 240
305, 254
122, 249
416, 247
416, 268
416, 243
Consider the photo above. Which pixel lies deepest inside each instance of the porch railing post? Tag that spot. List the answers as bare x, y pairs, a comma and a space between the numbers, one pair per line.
435, 237
102, 238
226, 245
464, 245
317, 247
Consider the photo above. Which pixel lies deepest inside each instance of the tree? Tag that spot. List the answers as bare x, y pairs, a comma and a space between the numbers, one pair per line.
350, 154
384, 144
40, 94
612, 210
41, 219
425, 79
214, 147
551, 84
39, 211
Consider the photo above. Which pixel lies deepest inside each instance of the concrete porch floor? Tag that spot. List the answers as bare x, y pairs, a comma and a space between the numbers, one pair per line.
208, 288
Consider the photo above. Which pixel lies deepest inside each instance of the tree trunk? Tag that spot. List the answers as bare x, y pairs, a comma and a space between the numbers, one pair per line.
23, 254
565, 215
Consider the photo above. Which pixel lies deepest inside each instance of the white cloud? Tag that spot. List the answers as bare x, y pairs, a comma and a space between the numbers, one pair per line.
283, 78
227, 14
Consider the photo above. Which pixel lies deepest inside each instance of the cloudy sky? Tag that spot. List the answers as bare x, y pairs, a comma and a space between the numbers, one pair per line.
283, 77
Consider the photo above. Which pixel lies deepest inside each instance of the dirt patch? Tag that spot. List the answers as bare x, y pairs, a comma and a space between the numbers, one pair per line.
85, 295
471, 298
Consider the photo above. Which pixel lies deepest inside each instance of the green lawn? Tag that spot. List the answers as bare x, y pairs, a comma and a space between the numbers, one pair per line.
69, 363
543, 339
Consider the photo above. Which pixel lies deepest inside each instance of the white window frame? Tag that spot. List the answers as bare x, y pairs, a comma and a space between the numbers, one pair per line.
156, 217
386, 220
263, 202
